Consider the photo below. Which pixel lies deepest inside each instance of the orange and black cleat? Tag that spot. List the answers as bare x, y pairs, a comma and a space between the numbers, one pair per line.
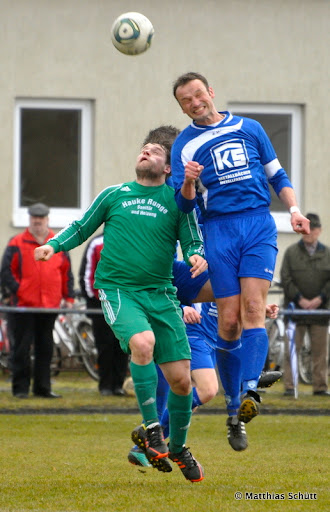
190, 467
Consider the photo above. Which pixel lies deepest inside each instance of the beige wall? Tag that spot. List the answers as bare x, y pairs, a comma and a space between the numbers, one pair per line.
271, 51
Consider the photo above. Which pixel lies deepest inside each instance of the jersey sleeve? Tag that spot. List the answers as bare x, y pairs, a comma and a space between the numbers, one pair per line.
80, 230
190, 236
177, 165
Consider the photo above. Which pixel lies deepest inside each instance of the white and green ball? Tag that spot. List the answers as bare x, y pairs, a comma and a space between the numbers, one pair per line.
132, 33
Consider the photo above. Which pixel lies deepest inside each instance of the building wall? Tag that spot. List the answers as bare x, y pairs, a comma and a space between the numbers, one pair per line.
268, 51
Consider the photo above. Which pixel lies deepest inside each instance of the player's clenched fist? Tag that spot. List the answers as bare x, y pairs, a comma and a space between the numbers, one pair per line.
192, 170
43, 253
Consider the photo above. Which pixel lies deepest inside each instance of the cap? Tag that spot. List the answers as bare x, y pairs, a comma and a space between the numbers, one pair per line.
314, 220
38, 210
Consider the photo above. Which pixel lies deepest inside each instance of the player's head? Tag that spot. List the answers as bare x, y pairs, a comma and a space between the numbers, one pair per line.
195, 97
151, 163
165, 136
189, 77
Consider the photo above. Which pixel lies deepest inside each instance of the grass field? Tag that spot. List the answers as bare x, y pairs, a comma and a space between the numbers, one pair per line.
78, 462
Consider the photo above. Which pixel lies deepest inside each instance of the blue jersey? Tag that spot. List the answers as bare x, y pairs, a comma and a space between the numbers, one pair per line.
239, 161
208, 328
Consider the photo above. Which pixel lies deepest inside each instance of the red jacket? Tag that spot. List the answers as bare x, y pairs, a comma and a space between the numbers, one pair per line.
35, 283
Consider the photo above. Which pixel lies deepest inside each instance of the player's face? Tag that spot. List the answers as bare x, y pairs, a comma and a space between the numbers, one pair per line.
197, 102
151, 160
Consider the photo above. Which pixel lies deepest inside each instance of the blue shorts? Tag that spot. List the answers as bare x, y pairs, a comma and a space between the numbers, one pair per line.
240, 245
187, 287
202, 354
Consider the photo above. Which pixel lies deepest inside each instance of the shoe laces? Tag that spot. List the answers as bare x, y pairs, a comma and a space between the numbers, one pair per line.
236, 428
184, 459
155, 435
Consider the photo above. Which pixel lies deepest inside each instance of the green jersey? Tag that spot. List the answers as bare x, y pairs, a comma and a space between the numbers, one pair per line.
141, 228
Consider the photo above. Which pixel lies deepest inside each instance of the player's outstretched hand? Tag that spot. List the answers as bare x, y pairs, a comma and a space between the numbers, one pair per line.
198, 265
300, 224
43, 253
272, 311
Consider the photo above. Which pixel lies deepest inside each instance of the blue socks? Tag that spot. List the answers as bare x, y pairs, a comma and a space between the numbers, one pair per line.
229, 365
165, 419
163, 388
253, 357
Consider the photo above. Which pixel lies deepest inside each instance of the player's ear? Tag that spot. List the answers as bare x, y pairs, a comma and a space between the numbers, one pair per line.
167, 169
211, 92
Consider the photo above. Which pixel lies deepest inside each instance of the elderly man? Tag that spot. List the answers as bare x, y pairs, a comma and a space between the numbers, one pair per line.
32, 284
305, 276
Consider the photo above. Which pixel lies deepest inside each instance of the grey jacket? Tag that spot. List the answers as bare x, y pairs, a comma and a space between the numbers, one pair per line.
306, 276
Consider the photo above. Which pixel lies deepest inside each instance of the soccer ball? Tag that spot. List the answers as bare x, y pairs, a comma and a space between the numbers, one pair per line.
132, 33
128, 386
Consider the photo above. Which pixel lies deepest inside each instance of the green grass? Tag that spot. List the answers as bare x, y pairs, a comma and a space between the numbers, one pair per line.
79, 391
77, 463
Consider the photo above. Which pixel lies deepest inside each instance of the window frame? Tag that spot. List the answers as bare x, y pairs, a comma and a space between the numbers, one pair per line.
282, 219
59, 217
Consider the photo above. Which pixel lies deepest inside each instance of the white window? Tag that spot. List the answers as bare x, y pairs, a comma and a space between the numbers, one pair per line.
283, 125
52, 161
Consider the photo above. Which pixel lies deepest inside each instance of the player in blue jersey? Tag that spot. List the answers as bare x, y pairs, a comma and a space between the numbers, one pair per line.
223, 163
201, 328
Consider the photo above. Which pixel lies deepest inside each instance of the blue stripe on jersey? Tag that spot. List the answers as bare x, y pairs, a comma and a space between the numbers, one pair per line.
238, 160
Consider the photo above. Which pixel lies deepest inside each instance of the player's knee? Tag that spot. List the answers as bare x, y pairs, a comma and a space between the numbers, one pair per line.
142, 346
253, 312
181, 384
207, 393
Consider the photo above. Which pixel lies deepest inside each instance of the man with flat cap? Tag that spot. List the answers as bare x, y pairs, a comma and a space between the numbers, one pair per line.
305, 276
30, 283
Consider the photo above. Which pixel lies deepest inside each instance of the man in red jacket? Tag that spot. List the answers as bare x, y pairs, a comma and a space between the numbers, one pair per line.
30, 283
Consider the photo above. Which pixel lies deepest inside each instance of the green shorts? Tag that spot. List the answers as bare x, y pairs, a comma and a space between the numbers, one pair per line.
130, 312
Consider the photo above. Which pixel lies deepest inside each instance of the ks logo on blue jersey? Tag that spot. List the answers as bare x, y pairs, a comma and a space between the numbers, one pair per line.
230, 155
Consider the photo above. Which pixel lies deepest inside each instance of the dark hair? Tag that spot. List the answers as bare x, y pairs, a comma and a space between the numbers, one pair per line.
314, 219
164, 136
188, 77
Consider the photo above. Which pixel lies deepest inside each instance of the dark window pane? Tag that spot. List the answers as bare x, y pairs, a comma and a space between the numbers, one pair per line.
278, 129
50, 157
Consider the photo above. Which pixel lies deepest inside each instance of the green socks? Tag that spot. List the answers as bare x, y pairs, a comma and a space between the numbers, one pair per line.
179, 408
145, 380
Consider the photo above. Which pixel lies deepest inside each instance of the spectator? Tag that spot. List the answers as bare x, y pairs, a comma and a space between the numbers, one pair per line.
305, 275
112, 361
34, 284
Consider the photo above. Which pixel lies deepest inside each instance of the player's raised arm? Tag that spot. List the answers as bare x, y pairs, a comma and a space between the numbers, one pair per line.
43, 253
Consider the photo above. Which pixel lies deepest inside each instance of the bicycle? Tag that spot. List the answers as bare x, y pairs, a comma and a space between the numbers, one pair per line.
276, 335
4, 345
74, 339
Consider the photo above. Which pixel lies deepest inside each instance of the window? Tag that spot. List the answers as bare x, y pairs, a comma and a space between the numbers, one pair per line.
283, 124
52, 158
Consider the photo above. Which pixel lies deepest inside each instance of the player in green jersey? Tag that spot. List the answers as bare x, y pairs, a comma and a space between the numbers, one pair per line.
142, 224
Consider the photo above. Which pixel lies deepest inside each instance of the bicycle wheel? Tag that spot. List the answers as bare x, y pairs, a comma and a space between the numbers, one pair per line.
56, 364
87, 348
305, 361
276, 346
